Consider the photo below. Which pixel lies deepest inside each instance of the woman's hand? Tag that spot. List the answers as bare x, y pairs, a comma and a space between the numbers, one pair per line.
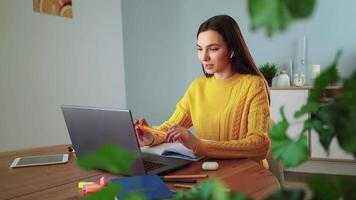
183, 135
145, 138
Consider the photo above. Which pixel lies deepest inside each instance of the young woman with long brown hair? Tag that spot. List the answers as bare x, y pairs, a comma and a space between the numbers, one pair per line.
228, 107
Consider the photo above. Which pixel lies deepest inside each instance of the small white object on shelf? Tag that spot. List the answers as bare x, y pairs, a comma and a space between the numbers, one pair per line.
283, 79
315, 71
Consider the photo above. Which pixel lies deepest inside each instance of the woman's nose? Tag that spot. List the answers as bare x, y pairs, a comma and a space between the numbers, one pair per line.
205, 56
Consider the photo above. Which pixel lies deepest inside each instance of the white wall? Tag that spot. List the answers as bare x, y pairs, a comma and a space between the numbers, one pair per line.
47, 61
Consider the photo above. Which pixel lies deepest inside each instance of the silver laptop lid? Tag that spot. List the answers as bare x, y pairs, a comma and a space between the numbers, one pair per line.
90, 128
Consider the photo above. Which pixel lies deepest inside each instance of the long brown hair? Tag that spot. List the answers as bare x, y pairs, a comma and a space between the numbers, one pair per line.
242, 61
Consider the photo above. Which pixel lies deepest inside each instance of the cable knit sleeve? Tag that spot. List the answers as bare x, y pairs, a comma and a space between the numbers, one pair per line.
253, 141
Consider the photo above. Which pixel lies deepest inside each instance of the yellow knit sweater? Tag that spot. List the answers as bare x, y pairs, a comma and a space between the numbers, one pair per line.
230, 117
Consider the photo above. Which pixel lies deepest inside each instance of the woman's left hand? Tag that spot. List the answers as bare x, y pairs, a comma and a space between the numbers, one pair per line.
183, 135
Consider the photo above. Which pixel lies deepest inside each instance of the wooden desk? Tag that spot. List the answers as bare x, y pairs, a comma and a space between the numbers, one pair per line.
60, 181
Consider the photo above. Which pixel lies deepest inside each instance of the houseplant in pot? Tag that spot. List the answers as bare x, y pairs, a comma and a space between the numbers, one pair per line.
268, 70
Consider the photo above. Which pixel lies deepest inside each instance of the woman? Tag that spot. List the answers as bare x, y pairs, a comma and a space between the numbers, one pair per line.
229, 107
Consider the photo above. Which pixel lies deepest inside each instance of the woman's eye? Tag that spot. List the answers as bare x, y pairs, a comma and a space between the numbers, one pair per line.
214, 49
199, 49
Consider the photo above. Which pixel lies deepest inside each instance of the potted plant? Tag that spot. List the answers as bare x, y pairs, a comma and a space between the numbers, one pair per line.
268, 70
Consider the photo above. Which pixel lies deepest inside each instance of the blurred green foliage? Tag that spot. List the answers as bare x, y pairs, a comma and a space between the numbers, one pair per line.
108, 157
277, 15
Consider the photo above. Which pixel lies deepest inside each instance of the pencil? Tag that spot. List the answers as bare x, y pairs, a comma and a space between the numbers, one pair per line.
151, 130
193, 176
185, 186
180, 181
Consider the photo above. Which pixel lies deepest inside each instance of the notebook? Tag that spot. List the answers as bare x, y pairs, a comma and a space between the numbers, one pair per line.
91, 127
151, 186
172, 150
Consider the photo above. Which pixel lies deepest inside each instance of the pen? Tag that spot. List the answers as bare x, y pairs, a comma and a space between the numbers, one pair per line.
193, 176
191, 186
180, 180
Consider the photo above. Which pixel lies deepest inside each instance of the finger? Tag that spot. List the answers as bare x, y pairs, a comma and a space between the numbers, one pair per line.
176, 137
170, 136
143, 121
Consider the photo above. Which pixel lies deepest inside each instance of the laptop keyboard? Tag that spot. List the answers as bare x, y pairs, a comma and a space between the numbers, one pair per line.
152, 165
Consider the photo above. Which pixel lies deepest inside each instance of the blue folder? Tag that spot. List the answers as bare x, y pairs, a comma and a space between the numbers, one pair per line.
150, 186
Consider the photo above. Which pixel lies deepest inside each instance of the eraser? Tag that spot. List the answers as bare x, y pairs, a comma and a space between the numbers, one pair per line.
103, 180
210, 165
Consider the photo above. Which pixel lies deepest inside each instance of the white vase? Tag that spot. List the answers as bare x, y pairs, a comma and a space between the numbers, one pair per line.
283, 79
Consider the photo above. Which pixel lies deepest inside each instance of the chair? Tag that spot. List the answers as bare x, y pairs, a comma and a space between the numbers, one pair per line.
275, 166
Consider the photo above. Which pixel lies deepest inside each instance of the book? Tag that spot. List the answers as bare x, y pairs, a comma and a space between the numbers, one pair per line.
151, 186
172, 150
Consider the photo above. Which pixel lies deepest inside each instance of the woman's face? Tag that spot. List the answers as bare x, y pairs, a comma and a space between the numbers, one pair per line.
214, 54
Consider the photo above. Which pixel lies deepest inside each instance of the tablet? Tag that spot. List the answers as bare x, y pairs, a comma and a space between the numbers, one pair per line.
39, 160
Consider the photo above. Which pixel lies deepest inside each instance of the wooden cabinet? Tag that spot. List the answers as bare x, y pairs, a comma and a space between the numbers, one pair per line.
292, 98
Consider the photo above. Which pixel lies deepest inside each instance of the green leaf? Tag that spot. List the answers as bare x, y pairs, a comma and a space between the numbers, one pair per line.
272, 14
300, 8
110, 191
346, 118
346, 132
327, 77
239, 196
327, 187
290, 194
211, 189
324, 123
276, 15
290, 152
108, 157
135, 197
278, 131
311, 107
348, 93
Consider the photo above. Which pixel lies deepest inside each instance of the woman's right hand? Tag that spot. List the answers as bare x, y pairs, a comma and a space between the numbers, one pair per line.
145, 138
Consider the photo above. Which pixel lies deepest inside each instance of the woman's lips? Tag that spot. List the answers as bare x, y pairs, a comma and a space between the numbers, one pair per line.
208, 66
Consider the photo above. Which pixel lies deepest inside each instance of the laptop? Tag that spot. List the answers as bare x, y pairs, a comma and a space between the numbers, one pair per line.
91, 127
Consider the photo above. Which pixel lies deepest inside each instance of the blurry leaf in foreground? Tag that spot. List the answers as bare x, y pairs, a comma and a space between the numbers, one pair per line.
291, 194
346, 127
348, 93
323, 122
108, 157
135, 197
276, 15
327, 77
211, 189
272, 14
311, 107
110, 191
290, 152
346, 132
301, 8
327, 187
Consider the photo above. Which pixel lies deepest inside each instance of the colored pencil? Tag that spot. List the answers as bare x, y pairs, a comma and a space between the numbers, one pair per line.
192, 176
180, 181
